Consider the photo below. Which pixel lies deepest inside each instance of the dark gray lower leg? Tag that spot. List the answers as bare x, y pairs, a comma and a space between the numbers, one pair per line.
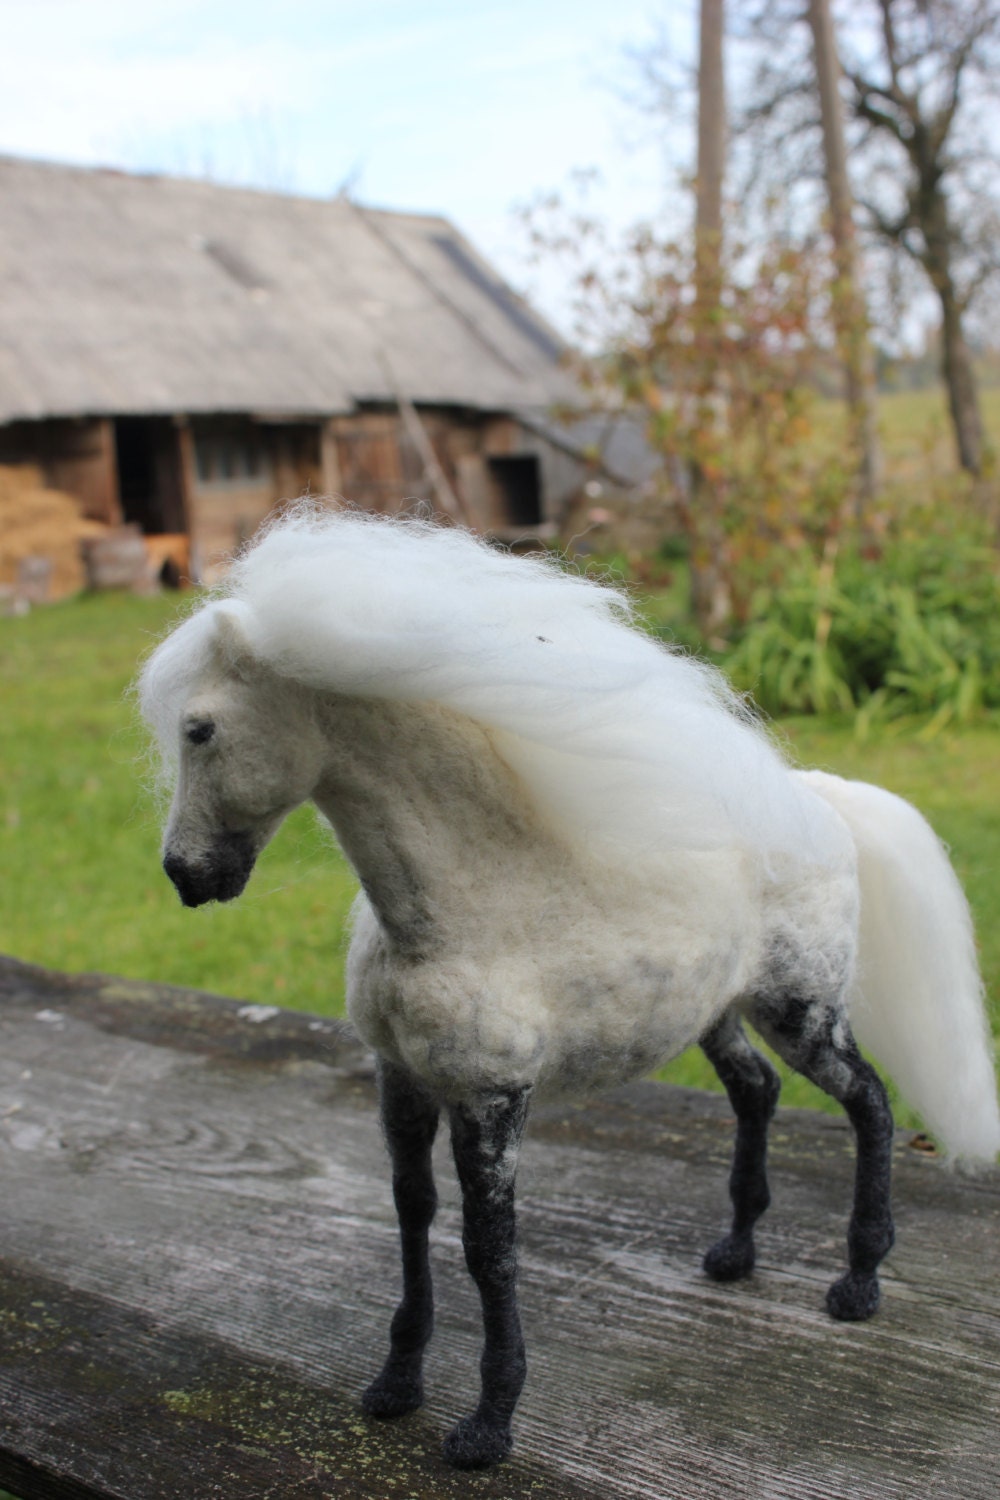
870, 1233
817, 1042
485, 1136
753, 1087
409, 1119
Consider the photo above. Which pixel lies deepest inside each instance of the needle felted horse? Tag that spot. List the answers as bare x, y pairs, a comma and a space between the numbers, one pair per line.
579, 855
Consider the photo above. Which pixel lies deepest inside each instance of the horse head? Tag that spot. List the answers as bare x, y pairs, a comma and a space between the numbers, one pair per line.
249, 752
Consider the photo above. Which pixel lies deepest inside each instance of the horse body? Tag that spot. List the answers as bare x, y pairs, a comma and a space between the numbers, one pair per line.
512, 939
613, 1001
540, 966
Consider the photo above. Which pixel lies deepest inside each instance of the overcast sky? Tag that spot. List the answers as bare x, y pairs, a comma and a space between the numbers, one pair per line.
465, 109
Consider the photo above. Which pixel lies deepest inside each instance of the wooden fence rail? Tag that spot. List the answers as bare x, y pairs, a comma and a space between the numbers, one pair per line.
198, 1264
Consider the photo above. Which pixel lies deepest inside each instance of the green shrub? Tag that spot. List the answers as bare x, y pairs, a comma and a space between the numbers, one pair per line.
912, 630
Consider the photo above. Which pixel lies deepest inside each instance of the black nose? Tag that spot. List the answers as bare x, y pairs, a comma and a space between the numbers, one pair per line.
185, 879
218, 875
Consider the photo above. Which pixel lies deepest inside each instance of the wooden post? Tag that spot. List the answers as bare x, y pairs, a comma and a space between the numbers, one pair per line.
188, 478
329, 461
111, 504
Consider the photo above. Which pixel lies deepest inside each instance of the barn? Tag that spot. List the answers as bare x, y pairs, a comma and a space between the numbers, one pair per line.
182, 356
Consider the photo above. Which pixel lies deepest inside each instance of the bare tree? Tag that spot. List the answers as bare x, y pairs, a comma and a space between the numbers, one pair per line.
849, 312
917, 97
795, 76
920, 83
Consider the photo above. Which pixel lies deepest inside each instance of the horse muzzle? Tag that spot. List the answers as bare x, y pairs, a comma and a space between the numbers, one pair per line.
220, 874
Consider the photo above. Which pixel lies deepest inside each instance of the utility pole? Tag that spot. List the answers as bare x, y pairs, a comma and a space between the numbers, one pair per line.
711, 138
711, 595
849, 312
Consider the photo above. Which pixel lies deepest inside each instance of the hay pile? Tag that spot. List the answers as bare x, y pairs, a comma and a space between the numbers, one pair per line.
36, 522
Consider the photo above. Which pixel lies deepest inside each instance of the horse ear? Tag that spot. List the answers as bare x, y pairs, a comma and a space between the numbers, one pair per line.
232, 642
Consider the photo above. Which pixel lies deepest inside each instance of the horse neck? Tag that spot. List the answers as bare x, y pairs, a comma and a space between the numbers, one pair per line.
420, 800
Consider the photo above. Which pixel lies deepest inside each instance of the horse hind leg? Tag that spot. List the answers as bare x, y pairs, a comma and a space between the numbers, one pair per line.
815, 1039
753, 1087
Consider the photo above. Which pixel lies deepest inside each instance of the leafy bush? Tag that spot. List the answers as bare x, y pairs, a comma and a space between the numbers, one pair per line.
914, 630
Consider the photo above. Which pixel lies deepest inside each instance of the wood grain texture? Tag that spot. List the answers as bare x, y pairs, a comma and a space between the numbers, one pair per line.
198, 1264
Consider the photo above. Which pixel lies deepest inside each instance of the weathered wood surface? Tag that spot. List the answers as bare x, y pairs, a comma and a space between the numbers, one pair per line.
198, 1265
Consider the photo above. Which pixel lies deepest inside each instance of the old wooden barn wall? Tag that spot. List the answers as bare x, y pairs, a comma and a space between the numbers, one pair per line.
215, 477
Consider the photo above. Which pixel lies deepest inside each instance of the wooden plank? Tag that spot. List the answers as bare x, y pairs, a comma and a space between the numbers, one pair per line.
448, 501
80, 457
198, 1263
101, 1400
331, 483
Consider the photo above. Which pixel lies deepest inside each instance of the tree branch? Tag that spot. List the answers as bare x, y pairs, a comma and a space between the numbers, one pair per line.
959, 59
866, 110
893, 229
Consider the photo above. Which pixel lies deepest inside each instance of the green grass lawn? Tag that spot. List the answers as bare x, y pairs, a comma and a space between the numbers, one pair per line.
81, 830
82, 886
916, 438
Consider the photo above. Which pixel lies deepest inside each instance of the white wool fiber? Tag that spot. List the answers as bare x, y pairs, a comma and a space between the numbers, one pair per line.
918, 1000
167, 676
630, 746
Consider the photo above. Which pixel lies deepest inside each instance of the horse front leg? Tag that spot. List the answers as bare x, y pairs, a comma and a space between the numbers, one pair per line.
409, 1120
486, 1136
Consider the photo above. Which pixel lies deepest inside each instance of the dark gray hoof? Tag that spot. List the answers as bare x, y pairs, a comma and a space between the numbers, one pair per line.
854, 1297
476, 1443
392, 1394
731, 1259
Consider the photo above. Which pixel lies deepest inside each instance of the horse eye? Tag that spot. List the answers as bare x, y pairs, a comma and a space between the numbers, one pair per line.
200, 733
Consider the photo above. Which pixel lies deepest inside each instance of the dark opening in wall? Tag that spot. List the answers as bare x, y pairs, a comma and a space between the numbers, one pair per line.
519, 481
147, 452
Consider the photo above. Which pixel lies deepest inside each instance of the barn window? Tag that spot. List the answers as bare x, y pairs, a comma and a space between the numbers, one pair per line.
228, 458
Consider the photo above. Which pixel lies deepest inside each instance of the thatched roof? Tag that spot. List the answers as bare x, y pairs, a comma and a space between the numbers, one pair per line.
122, 293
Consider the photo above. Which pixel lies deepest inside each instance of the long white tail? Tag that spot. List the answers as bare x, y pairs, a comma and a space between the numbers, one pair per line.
918, 1001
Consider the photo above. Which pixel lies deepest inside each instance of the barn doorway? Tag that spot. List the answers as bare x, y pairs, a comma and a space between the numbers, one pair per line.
518, 480
150, 479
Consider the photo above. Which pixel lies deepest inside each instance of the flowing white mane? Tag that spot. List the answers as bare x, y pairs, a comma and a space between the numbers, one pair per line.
630, 745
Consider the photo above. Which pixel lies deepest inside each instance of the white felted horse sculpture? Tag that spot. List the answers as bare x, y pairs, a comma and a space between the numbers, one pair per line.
579, 855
